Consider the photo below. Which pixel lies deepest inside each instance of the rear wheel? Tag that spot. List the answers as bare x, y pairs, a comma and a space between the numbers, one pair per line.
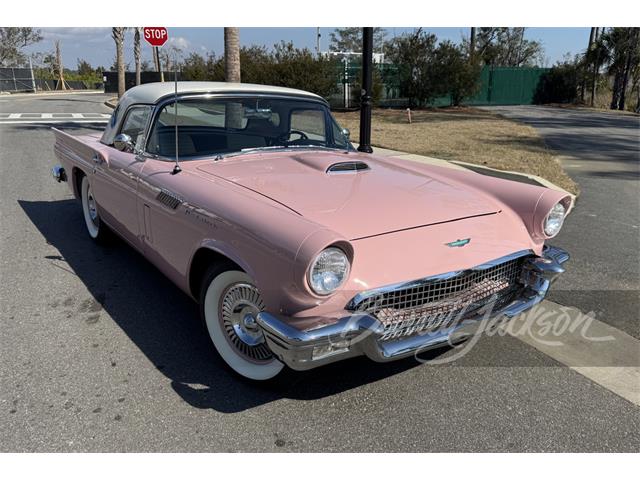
229, 303
95, 228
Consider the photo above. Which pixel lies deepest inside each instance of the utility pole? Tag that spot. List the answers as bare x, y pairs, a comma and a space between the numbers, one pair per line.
365, 97
472, 42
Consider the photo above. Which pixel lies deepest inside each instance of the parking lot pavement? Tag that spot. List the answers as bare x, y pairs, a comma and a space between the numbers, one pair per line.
601, 152
100, 352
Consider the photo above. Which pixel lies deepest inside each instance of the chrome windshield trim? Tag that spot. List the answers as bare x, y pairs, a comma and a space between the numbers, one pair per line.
433, 278
170, 98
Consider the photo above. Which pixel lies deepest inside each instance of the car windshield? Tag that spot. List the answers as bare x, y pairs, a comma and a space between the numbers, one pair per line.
225, 126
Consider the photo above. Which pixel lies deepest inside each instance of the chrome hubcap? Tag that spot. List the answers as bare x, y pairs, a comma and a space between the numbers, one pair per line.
91, 204
240, 305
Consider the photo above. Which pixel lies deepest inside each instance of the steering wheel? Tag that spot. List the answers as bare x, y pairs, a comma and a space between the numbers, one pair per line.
285, 136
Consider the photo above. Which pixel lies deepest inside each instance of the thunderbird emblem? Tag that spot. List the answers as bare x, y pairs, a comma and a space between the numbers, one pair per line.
458, 243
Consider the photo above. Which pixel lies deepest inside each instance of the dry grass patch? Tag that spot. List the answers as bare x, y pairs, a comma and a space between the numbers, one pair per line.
467, 135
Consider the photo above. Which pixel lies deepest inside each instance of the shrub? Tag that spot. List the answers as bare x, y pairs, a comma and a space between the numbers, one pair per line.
559, 84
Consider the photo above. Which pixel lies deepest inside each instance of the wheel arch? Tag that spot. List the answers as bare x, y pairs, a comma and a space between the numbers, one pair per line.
206, 255
76, 177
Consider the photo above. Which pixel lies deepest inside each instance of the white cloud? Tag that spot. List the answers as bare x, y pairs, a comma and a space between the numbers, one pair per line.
179, 42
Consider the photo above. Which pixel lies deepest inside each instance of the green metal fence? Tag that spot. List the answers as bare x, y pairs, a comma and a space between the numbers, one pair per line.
507, 86
498, 85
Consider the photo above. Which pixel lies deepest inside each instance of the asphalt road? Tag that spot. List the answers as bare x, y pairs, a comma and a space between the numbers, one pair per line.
99, 352
601, 152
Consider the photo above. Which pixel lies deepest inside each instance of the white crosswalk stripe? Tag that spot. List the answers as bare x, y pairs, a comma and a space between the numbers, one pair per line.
30, 118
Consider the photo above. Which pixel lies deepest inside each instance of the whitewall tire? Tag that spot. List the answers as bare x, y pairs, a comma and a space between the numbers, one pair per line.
95, 228
229, 303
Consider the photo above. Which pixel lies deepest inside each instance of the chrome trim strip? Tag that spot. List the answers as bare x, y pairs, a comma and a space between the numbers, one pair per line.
169, 199
336, 168
433, 278
170, 98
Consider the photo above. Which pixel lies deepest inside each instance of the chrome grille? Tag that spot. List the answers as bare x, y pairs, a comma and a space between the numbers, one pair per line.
435, 303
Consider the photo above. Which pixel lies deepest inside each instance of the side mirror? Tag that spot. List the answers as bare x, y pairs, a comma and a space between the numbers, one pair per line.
346, 133
123, 142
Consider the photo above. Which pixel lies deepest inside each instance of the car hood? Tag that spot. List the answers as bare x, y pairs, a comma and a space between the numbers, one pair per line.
381, 199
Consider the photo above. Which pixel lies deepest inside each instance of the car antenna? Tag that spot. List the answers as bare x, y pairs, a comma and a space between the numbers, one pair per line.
176, 168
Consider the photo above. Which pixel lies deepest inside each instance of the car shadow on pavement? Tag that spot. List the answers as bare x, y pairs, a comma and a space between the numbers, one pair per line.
163, 322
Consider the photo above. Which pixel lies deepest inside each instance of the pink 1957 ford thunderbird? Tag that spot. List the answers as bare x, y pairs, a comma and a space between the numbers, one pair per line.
300, 250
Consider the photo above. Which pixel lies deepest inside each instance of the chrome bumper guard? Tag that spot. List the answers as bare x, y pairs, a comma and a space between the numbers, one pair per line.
359, 334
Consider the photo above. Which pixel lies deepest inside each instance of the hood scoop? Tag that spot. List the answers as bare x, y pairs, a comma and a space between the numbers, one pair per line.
348, 167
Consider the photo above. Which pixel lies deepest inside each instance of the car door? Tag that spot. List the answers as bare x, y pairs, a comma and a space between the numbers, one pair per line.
116, 176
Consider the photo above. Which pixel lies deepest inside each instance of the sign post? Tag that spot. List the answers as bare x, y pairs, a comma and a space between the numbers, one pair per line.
156, 37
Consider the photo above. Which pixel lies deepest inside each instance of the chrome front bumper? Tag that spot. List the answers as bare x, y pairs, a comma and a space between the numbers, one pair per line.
360, 333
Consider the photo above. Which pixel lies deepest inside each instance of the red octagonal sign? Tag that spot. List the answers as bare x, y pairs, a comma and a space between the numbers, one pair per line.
156, 36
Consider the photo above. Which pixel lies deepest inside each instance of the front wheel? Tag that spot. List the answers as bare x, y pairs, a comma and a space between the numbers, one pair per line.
229, 303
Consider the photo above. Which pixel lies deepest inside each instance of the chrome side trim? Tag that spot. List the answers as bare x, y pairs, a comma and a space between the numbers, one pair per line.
433, 278
348, 167
169, 199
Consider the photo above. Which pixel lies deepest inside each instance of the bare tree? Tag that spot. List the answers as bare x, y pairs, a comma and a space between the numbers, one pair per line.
232, 54
12, 42
117, 33
59, 68
136, 52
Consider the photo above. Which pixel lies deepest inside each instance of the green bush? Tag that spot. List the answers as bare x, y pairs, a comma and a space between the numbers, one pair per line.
284, 66
454, 74
559, 84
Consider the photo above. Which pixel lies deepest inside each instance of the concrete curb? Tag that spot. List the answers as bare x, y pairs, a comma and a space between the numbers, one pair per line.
112, 102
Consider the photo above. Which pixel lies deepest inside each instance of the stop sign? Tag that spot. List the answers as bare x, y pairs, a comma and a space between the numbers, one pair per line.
156, 36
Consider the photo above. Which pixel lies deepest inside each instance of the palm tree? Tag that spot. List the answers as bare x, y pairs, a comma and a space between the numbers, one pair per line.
233, 112
117, 33
136, 52
232, 54
585, 63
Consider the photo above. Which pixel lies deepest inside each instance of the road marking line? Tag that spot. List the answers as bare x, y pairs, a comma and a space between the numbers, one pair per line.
77, 115
571, 338
60, 120
46, 115
15, 115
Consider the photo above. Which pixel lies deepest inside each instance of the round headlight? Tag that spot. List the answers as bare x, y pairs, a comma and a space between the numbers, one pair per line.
328, 271
553, 222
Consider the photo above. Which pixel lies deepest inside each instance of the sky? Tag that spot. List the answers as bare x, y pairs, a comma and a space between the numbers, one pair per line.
96, 46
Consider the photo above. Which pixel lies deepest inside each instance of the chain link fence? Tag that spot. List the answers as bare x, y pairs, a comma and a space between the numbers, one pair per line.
16, 80
22, 80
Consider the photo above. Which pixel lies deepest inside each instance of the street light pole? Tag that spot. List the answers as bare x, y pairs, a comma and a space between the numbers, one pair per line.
365, 94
